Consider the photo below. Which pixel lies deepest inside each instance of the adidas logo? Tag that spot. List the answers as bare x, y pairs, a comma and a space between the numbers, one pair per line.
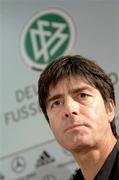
44, 159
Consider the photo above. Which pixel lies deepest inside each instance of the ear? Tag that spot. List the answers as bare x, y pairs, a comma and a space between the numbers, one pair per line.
110, 110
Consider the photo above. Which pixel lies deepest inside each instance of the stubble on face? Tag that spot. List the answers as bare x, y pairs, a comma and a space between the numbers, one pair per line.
81, 130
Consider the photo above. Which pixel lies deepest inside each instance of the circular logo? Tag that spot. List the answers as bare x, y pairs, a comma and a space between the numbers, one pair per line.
18, 164
48, 35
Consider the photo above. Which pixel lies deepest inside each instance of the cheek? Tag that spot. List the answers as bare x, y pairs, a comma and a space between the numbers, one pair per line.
57, 132
101, 119
54, 125
96, 113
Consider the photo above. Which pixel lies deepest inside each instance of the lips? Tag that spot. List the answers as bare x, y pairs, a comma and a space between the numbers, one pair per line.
73, 126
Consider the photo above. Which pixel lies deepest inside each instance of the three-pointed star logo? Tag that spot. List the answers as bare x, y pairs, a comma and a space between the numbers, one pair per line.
18, 164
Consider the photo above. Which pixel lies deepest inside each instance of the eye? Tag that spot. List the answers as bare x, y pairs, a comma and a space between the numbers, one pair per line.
85, 98
56, 103
83, 95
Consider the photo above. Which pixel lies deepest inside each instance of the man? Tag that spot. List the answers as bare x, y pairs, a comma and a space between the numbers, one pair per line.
78, 101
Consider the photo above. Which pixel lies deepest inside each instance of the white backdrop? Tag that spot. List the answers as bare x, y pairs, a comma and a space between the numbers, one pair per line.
32, 33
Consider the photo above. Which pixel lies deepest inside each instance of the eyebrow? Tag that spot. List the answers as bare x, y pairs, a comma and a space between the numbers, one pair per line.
76, 90
73, 91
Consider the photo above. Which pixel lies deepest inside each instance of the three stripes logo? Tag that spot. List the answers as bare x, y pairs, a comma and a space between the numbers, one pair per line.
44, 159
48, 35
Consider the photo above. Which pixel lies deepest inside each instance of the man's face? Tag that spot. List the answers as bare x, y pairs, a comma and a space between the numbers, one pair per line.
77, 114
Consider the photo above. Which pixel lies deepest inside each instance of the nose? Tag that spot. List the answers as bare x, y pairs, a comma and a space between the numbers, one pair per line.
71, 107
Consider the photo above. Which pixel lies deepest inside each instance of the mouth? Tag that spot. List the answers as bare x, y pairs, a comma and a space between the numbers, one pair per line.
73, 127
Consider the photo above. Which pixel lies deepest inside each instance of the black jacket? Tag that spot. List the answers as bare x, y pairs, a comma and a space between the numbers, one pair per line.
109, 170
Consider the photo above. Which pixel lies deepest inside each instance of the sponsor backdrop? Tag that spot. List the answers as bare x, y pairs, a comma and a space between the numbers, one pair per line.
32, 33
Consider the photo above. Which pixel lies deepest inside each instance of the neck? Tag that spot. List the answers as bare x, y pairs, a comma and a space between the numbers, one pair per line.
95, 156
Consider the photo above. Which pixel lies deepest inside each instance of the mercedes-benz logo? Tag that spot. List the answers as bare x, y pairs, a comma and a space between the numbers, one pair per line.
18, 164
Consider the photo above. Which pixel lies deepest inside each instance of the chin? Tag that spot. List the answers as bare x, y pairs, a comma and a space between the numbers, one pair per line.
79, 145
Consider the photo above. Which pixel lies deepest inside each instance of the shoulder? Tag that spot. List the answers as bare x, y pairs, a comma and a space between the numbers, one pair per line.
116, 163
115, 169
77, 175
117, 157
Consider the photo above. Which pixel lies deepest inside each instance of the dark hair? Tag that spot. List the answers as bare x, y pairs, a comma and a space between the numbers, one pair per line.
75, 65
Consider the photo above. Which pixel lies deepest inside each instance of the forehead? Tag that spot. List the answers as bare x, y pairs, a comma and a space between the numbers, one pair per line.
69, 82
